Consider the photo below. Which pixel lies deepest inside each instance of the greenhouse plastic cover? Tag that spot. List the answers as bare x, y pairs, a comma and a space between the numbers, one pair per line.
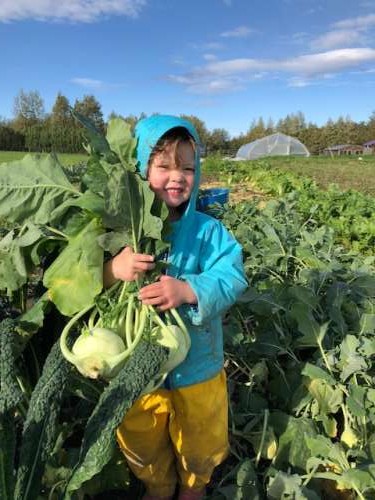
272, 145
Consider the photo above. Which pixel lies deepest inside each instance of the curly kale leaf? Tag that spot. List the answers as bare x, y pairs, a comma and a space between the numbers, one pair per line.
40, 428
7, 455
10, 393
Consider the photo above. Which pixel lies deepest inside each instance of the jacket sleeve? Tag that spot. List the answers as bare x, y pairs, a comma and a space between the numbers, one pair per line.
222, 279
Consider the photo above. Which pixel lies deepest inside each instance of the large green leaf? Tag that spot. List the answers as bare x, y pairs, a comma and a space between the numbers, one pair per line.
75, 277
13, 272
122, 142
97, 142
31, 188
246, 483
128, 204
33, 318
312, 332
13, 257
285, 485
291, 450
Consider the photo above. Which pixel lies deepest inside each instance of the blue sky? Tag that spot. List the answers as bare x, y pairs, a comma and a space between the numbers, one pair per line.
226, 61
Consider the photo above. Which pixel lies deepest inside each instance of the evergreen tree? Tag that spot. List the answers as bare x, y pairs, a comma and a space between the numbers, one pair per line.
218, 141
90, 108
61, 114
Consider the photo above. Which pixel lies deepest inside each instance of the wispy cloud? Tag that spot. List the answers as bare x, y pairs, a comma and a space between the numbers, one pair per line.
208, 46
235, 74
68, 10
360, 23
345, 33
92, 84
337, 38
209, 57
88, 83
217, 85
239, 32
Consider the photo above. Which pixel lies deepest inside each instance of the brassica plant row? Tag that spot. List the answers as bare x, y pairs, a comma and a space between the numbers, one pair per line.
300, 358
351, 214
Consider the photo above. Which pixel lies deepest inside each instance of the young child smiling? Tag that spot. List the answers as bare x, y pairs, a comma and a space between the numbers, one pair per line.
177, 435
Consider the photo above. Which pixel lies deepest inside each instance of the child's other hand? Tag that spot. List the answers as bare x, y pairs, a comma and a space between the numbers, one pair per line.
167, 293
127, 265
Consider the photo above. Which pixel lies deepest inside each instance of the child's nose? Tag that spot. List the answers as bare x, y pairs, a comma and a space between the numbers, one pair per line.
176, 174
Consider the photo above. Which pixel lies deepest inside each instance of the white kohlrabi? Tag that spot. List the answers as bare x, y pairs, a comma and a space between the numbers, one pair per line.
102, 352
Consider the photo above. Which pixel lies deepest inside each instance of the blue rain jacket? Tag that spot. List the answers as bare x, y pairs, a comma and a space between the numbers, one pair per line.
206, 256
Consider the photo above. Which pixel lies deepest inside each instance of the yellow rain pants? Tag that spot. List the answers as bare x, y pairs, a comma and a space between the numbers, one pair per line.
177, 435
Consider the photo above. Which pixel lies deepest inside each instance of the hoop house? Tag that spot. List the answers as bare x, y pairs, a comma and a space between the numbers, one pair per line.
272, 145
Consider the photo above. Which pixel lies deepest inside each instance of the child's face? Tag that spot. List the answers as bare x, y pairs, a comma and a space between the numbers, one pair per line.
171, 173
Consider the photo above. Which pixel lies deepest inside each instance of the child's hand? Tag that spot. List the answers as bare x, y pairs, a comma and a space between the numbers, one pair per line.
166, 293
127, 266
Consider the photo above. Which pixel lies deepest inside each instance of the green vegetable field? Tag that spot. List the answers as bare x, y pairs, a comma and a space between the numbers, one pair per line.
300, 344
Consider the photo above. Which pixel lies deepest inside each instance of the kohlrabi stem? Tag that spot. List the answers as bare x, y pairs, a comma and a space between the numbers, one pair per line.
179, 321
67, 353
129, 320
91, 321
156, 318
142, 321
168, 318
123, 291
136, 320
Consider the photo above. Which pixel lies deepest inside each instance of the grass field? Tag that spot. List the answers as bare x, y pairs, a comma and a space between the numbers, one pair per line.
65, 158
347, 173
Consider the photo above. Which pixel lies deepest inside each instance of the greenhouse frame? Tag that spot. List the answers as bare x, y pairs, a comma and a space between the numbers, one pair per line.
272, 145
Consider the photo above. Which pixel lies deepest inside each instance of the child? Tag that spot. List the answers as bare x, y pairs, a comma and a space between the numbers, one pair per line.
179, 433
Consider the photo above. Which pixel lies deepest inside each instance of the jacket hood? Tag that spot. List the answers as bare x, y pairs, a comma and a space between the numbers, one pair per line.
148, 131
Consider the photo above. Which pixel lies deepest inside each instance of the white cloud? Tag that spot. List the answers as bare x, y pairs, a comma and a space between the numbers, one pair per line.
72, 10
361, 23
337, 38
92, 84
211, 85
209, 57
345, 33
233, 74
299, 82
239, 32
88, 83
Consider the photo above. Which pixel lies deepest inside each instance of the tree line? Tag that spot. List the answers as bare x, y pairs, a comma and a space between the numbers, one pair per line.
32, 129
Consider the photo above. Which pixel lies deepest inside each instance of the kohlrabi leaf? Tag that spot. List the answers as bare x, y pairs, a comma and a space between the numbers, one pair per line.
76, 275
97, 142
31, 188
114, 241
124, 205
14, 256
122, 142
96, 175
32, 319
